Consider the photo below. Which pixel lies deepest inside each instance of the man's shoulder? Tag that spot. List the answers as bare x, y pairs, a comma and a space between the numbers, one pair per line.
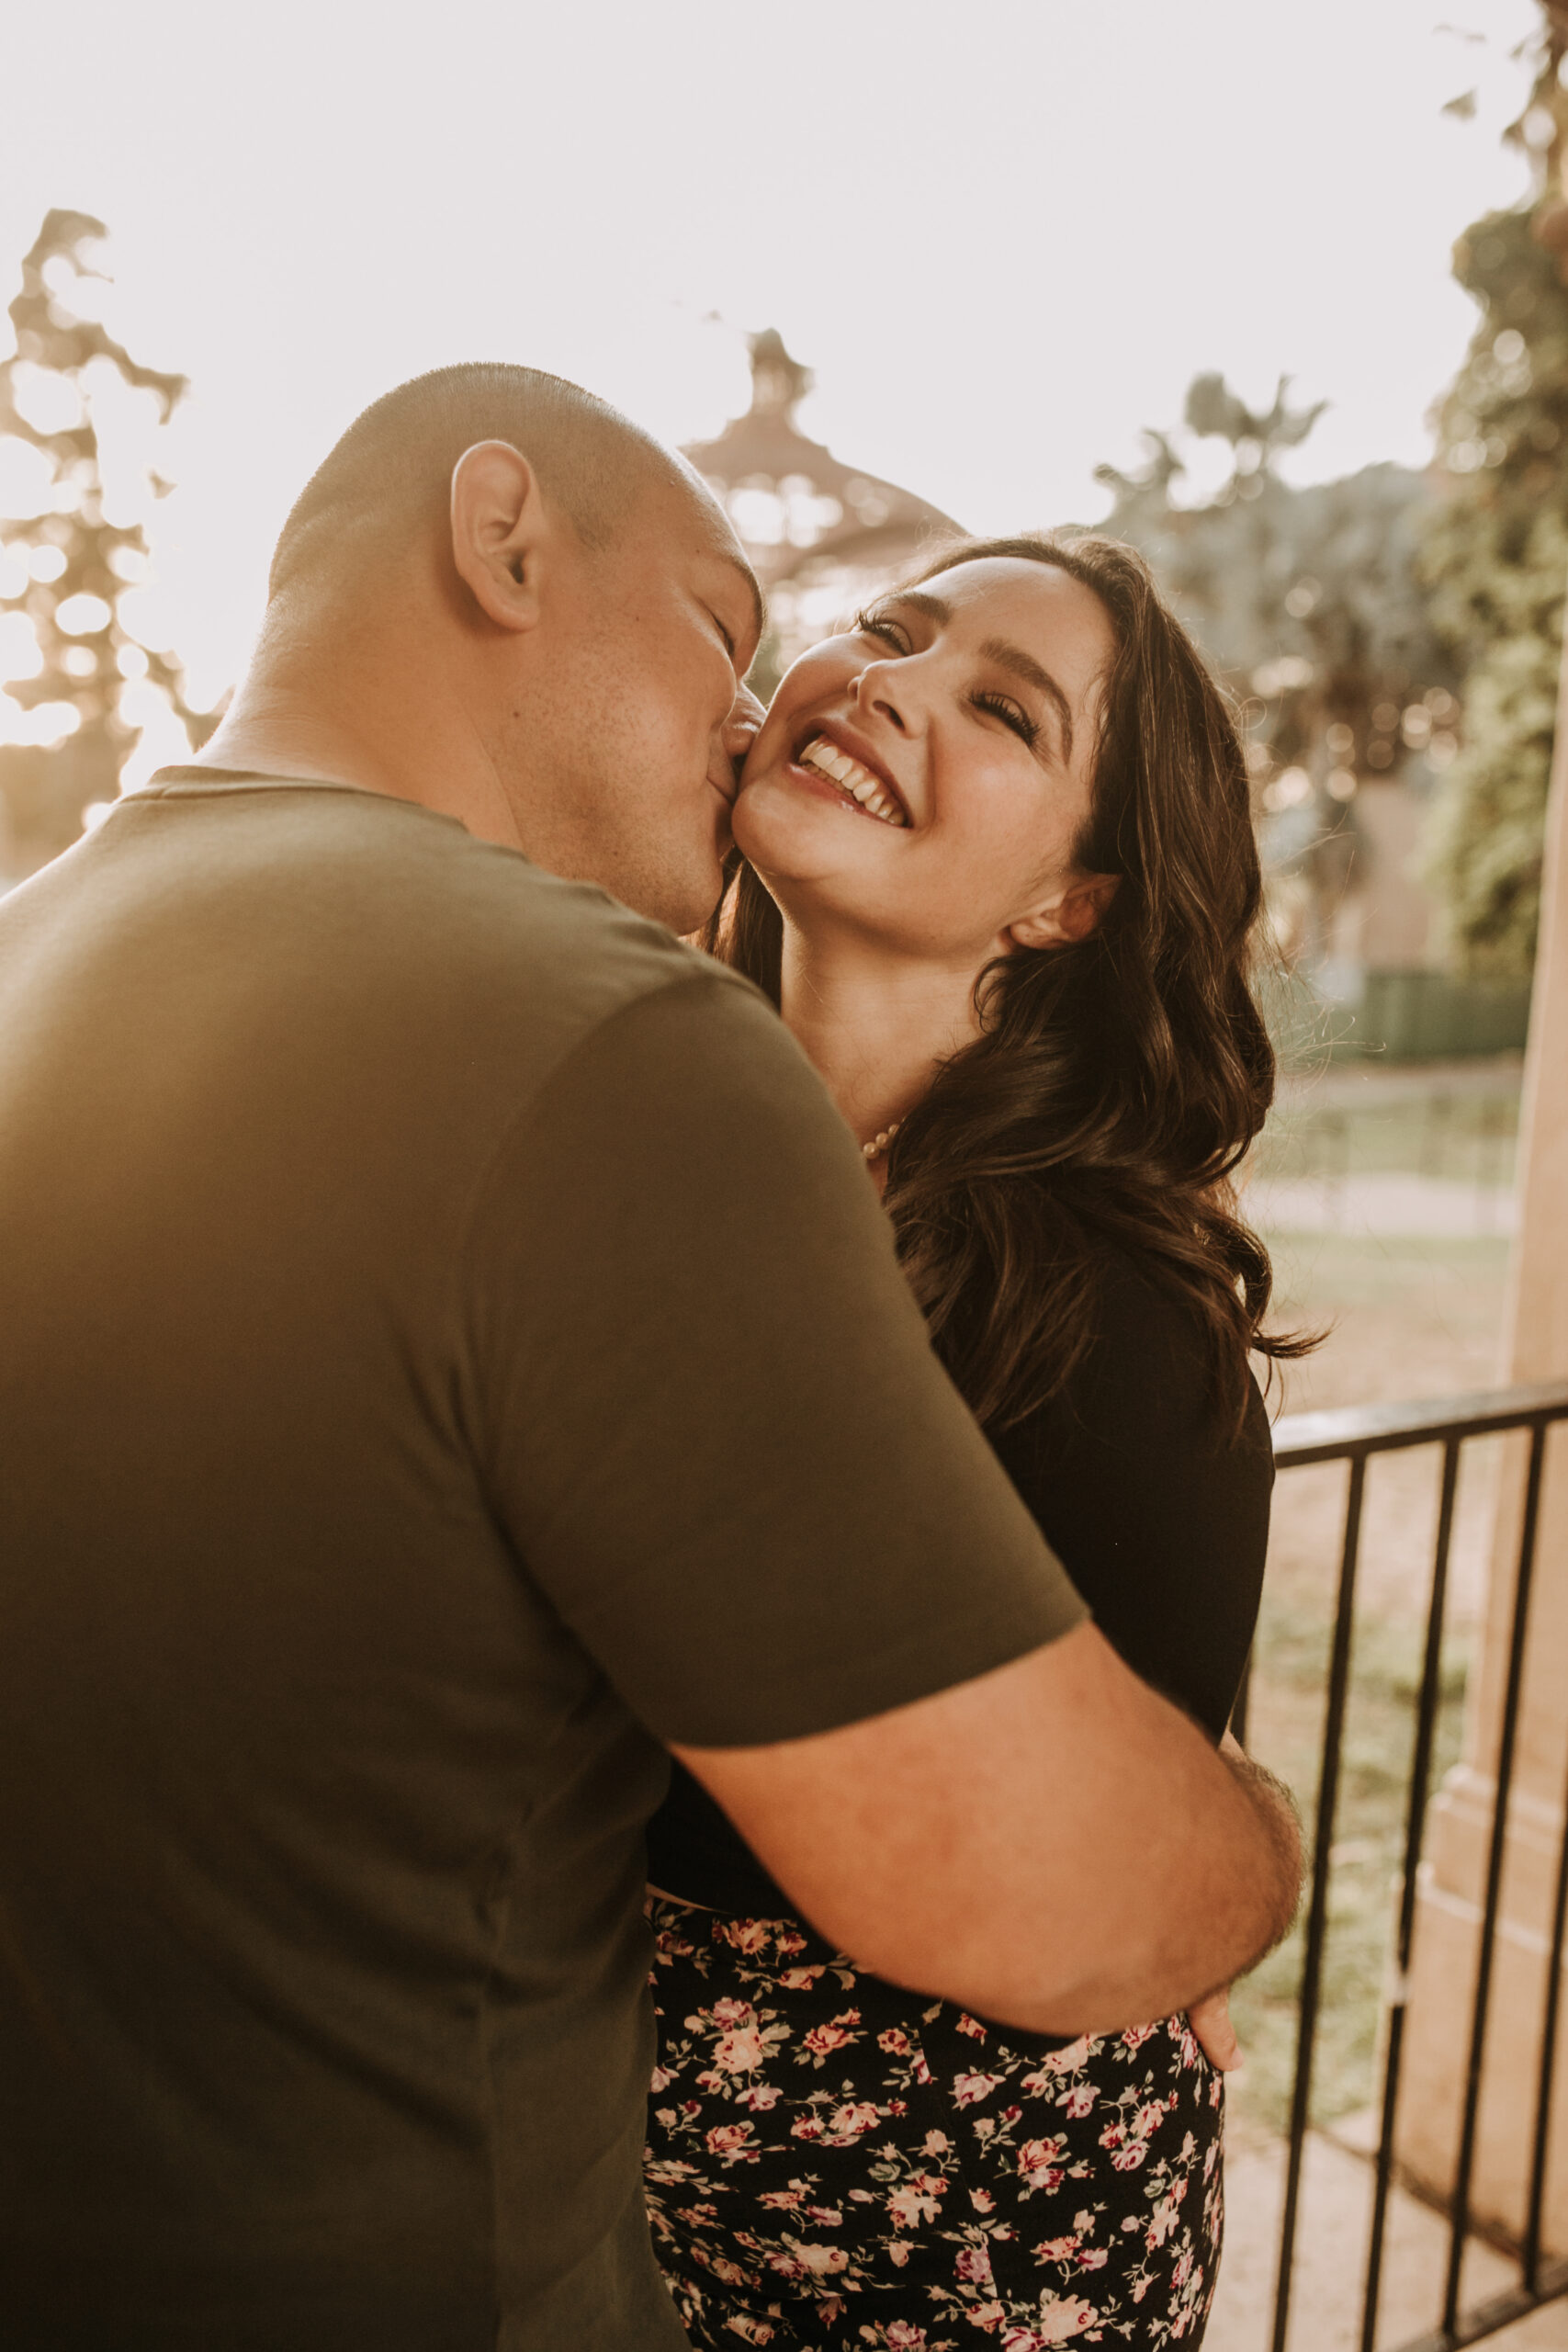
455, 915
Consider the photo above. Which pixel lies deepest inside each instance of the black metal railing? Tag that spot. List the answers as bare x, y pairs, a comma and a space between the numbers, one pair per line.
1353, 1436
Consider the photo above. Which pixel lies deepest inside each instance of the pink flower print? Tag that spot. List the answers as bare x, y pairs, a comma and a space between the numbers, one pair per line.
1066, 2061
902, 2337
1136, 2035
791, 1939
829, 2216
822, 2261
728, 2140
1036, 2162
670, 2171
728, 2012
1112, 2136
807, 2127
1079, 2100
897, 2252
1092, 2257
783, 2200
1063, 2317
895, 2042
1056, 2249
849, 2120
937, 2143
967, 2024
745, 1935
982, 2201
919, 2070
914, 2201
1150, 2118
1162, 2220
985, 2315
968, 2088
741, 2051
824, 2038
759, 2097
974, 2265
662, 2080
801, 1980
1129, 2158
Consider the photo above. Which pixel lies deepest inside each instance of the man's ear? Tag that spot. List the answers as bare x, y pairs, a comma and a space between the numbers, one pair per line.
1071, 914
500, 530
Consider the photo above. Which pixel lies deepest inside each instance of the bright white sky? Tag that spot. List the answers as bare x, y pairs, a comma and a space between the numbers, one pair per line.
1005, 234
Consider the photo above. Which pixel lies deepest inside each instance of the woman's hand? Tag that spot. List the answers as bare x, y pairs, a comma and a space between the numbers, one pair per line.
1211, 2021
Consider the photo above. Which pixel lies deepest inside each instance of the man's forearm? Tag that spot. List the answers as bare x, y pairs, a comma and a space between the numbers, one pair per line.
1051, 1845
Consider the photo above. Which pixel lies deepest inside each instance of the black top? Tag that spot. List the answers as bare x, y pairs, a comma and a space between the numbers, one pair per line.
1160, 1516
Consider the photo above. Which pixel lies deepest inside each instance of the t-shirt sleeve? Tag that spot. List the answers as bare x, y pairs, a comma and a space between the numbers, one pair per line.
1158, 1506
706, 1407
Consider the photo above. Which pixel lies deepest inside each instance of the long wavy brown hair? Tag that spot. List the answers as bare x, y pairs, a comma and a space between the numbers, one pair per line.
1117, 1082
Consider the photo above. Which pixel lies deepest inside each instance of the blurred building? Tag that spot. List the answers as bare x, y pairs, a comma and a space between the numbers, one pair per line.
822, 535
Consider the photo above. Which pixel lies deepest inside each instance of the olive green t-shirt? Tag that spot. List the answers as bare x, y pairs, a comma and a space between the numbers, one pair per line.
448, 1347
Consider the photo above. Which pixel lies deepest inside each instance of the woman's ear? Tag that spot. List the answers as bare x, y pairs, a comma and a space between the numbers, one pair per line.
498, 532
1071, 914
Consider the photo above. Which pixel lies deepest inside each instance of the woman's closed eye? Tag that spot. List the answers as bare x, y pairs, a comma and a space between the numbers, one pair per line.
1010, 712
883, 625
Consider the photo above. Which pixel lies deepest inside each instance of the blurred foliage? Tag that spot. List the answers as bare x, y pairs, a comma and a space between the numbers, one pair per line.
73, 552
1496, 549
1308, 603
1496, 555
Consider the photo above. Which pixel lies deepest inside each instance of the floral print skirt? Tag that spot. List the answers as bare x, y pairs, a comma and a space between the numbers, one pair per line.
834, 2163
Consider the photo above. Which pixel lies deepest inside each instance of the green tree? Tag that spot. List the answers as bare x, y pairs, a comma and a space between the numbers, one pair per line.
1308, 603
66, 568
1494, 549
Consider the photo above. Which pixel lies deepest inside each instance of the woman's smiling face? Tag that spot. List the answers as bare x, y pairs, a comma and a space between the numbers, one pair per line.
924, 777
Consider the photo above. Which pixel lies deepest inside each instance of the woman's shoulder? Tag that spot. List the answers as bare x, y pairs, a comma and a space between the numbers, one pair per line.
1151, 1493
1144, 1384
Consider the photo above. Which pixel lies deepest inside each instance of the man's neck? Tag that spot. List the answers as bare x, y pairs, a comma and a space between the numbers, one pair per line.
874, 1027
281, 725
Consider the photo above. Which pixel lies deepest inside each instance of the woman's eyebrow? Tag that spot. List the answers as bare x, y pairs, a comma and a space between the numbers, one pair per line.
920, 601
1023, 665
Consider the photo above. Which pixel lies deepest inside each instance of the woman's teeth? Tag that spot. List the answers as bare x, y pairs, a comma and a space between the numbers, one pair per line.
850, 777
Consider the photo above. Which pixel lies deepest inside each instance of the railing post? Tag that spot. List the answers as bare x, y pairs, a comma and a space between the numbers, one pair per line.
1452, 1898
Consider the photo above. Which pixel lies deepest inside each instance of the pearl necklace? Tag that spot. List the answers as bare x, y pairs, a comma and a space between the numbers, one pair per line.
878, 1143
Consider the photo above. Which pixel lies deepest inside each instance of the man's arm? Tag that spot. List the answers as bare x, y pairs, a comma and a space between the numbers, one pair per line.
712, 1424
1051, 1844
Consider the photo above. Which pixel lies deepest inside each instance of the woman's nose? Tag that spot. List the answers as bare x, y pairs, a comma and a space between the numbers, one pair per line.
874, 691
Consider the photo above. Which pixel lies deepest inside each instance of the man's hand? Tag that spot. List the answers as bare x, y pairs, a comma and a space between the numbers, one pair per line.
1211, 2021
1210, 2018
1051, 1844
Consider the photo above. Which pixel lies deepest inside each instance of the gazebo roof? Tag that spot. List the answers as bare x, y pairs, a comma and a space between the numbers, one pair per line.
793, 503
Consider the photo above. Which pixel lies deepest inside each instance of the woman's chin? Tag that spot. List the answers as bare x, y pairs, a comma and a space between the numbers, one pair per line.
778, 828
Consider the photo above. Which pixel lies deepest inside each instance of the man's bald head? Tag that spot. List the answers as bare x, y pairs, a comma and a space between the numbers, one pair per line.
390, 474
498, 598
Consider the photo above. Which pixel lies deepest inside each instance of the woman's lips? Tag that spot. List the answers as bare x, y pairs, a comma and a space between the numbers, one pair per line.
824, 762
